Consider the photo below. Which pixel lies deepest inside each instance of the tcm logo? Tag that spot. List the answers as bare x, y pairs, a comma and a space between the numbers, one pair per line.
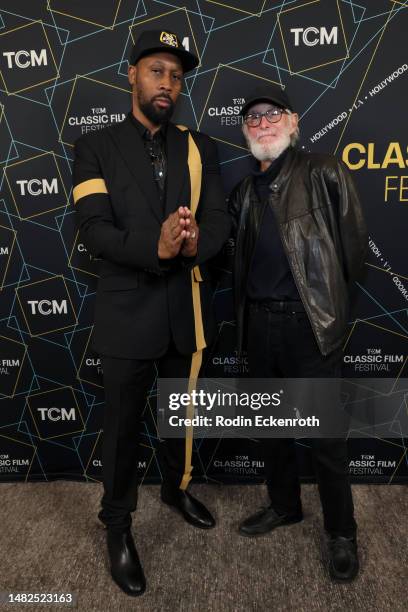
4, 250
47, 307
36, 187
26, 59
57, 414
312, 36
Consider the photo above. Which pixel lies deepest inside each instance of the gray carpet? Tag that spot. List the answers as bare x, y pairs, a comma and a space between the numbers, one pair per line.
51, 540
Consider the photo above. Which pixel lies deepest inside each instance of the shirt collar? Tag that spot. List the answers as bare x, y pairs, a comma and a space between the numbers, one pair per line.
274, 167
143, 130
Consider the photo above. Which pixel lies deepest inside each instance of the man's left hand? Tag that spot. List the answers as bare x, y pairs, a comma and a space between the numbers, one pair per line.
190, 244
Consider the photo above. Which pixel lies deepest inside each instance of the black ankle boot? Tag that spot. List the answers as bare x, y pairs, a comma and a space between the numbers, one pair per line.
126, 569
192, 510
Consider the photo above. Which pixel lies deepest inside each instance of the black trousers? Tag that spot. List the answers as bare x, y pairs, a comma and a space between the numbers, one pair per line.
126, 383
282, 344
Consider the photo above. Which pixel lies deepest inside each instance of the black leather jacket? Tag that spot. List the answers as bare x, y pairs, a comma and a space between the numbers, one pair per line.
323, 234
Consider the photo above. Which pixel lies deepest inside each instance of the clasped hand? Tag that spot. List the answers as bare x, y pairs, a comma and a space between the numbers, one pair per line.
179, 234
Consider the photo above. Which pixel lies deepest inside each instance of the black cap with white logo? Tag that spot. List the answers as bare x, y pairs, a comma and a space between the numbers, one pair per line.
269, 92
156, 41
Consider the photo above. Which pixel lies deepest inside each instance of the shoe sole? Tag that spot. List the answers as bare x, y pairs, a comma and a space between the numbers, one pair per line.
131, 593
175, 509
343, 580
262, 533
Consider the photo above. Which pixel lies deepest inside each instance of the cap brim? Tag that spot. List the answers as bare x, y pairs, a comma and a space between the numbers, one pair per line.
188, 60
250, 103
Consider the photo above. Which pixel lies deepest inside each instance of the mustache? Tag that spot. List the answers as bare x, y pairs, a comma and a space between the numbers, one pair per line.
260, 135
162, 97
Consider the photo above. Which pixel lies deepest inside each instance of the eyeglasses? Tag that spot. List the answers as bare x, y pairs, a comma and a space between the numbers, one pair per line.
273, 115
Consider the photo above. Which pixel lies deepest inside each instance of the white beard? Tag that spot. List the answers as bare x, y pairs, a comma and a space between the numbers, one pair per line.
268, 151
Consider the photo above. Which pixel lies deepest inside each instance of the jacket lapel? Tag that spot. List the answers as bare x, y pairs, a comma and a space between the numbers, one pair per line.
131, 147
177, 153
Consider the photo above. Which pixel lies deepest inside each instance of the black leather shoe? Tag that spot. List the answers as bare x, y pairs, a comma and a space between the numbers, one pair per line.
343, 559
265, 520
126, 570
193, 511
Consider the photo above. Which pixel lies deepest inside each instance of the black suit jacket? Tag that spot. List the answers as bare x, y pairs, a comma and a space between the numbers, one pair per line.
142, 302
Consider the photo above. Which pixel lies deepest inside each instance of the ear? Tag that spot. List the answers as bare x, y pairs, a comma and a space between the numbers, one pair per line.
294, 120
132, 70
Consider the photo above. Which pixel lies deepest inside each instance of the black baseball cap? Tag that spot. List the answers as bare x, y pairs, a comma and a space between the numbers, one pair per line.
156, 41
269, 92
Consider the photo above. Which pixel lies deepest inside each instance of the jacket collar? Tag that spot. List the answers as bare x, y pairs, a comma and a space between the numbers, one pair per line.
131, 147
285, 170
283, 175
273, 170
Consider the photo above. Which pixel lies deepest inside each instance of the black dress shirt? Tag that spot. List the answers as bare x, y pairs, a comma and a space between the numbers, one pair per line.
270, 277
155, 146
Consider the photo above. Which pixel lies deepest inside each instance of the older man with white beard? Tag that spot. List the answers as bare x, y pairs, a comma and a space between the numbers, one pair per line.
300, 241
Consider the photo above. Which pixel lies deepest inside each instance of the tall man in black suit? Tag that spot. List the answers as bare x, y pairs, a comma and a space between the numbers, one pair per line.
150, 204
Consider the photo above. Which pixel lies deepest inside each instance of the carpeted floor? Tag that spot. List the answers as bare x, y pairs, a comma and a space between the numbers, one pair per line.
51, 540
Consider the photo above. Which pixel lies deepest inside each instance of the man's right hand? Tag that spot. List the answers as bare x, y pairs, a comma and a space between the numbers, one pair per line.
172, 234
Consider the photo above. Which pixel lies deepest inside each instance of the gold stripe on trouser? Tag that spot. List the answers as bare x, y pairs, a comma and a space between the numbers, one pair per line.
196, 362
90, 187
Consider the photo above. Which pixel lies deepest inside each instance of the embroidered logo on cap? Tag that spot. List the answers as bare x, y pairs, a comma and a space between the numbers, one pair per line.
169, 39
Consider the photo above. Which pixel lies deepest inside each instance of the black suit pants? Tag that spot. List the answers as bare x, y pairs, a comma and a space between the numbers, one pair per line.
282, 345
127, 383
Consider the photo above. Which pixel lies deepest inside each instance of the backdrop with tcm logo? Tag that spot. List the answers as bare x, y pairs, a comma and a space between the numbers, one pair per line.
63, 67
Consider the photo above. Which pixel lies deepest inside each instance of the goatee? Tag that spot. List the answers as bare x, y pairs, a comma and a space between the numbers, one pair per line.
158, 116
268, 151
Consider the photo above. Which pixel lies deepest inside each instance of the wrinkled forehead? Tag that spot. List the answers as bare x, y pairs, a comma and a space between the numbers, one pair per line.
261, 107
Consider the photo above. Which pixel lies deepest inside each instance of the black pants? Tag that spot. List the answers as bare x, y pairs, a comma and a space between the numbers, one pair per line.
126, 383
282, 344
